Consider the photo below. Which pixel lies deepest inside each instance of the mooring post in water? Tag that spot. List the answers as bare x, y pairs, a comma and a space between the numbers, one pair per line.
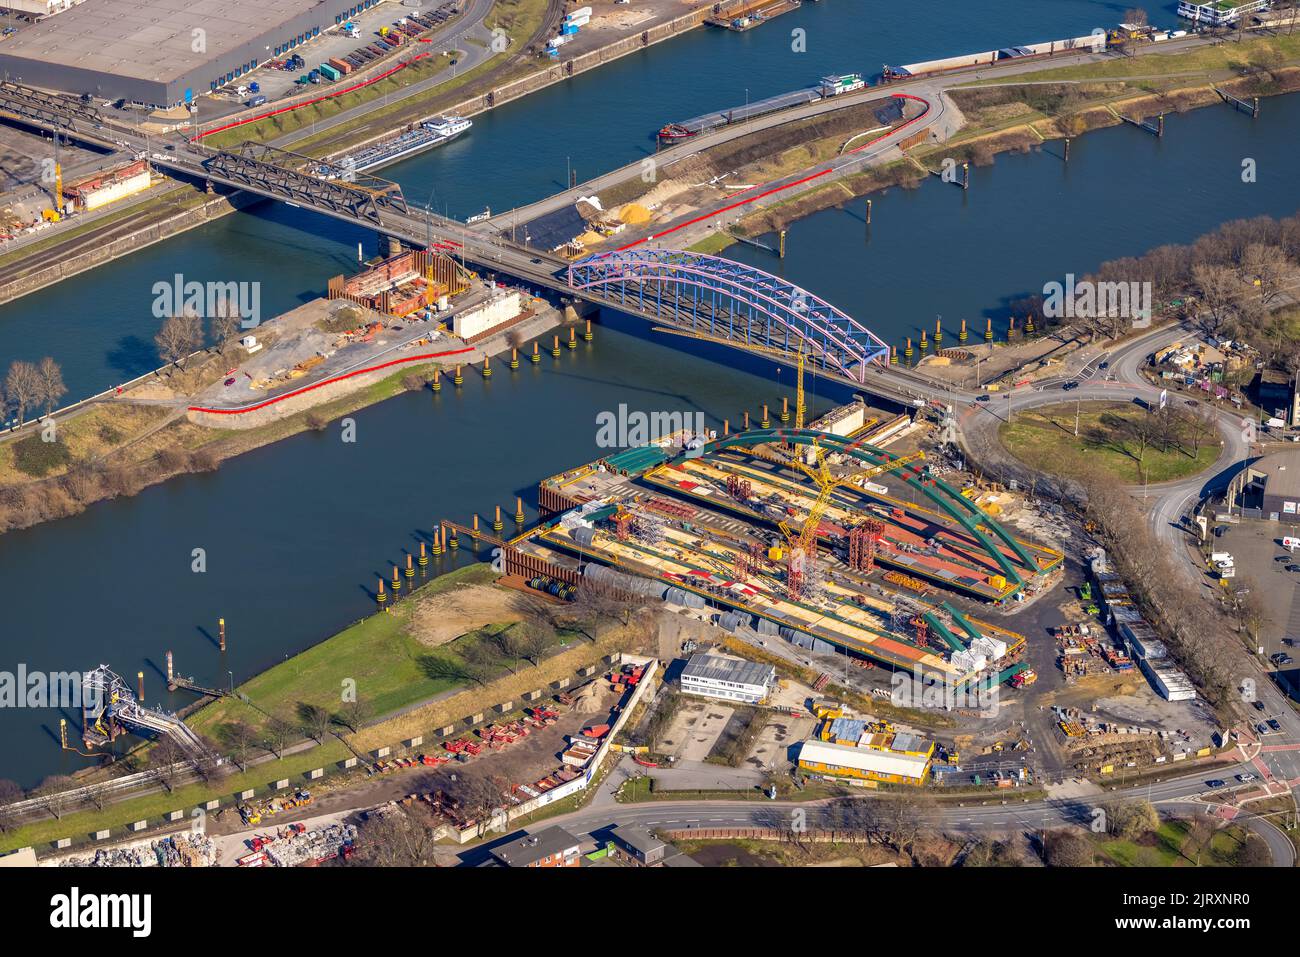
961, 336
497, 524
221, 633
765, 421
536, 356
781, 247
785, 409
1254, 110
586, 334
487, 367
381, 596
893, 355
139, 681
63, 733
458, 378
171, 681
474, 533
746, 421
907, 353
573, 337
868, 212
424, 558
555, 349
437, 539
514, 357
519, 510
965, 175
397, 583
726, 428
1067, 149
410, 566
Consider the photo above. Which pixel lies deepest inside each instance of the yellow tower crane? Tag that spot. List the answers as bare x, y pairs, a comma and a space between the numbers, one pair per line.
803, 545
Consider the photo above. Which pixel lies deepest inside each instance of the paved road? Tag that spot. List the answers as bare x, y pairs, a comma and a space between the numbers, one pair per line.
1277, 764
1176, 795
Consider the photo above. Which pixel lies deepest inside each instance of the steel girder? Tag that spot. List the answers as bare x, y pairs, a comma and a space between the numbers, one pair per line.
45, 109
306, 181
732, 301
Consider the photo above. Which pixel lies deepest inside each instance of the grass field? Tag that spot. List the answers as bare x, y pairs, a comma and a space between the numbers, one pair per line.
391, 669
1173, 845
1045, 437
151, 807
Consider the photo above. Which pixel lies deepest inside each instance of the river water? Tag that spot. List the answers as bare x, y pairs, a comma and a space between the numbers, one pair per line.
296, 534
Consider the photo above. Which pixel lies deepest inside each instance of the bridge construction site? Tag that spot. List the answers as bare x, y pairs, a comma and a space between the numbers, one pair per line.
801, 534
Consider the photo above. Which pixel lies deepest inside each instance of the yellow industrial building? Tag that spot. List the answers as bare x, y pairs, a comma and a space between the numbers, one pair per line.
866, 751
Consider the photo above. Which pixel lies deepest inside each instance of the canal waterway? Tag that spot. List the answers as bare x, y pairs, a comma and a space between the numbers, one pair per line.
100, 325
296, 534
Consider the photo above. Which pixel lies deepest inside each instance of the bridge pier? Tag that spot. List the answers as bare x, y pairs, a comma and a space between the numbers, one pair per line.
394, 245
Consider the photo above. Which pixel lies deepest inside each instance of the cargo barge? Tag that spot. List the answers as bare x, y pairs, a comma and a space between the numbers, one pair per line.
426, 136
828, 87
754, 14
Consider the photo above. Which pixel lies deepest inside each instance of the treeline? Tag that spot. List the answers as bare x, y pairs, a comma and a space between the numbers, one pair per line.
1232, 280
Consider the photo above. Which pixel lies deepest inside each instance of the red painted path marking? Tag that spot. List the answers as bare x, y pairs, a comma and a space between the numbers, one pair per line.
298, 106
777, 189
324, 382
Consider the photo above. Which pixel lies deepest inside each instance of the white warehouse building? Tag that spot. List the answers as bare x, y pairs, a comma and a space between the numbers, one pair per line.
729, 679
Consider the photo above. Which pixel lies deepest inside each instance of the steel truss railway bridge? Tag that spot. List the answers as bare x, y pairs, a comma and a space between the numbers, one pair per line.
706, 296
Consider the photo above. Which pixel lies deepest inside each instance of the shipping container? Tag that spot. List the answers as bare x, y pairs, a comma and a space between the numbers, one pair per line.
329, 72
257, 101
341, 65
580, 13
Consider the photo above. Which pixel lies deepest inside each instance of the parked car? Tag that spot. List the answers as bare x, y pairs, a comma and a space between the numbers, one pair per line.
1259, 705
1070, 385
1245, 778
1104, 366
1216, 783
1275, 724
983, 397
1262, 728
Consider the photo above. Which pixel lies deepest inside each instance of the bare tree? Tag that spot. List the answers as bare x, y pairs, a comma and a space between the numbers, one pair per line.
225, 328
1218, 287
52, 387
478, 797
396, 837
1068, 849
314, 721
10, 793
178, 337
167, 762
353, 714
22, 387
54, 794
536, 635
238, 739
276, 733
1266, 266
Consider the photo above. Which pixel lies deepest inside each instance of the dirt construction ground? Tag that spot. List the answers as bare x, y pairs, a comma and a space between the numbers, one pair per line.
462, 610
695, 729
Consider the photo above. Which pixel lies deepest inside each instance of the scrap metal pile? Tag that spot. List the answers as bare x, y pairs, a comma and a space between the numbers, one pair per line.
180, 850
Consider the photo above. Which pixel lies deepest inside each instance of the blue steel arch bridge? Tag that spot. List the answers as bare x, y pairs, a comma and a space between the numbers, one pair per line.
730, 302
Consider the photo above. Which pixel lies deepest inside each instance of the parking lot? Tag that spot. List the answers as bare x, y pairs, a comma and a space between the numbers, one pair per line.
276, 83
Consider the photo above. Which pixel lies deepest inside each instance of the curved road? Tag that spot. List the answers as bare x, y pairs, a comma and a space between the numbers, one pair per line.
1178, 794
